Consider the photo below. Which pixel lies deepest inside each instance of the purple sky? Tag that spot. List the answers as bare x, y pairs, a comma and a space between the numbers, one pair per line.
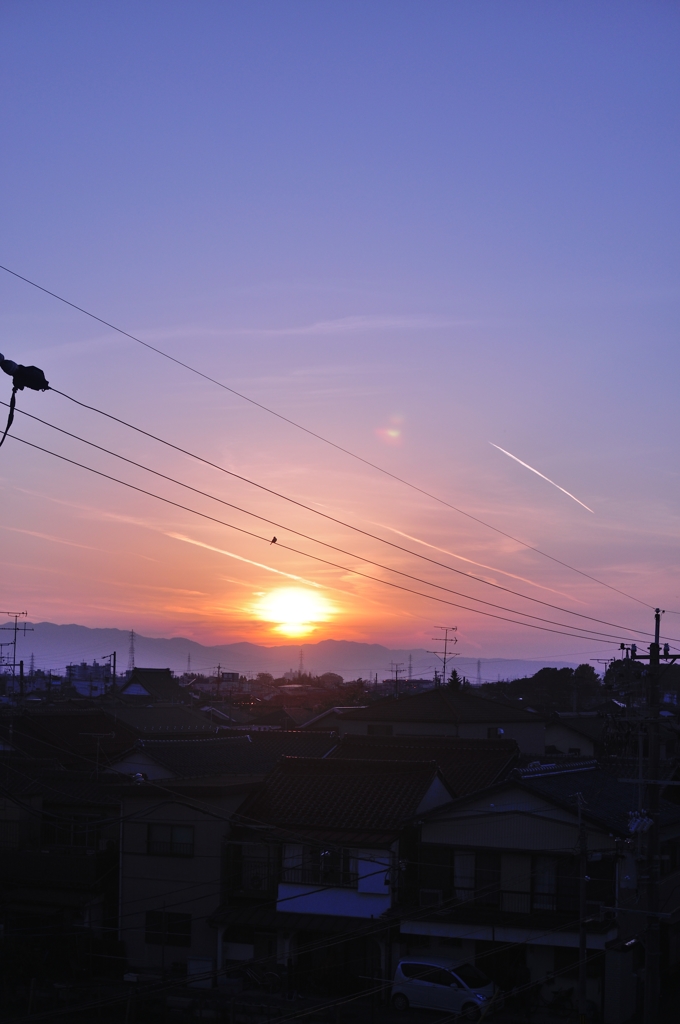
414, 228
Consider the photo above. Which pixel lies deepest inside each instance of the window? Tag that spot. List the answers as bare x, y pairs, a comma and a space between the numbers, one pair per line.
61, 829
545, 883
428, 972
516, 883
488, 878
314, 865
170, 840
163, 929
464, 875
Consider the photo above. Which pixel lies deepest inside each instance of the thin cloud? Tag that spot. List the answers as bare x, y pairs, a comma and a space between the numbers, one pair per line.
471, 561
49, 537
240, 558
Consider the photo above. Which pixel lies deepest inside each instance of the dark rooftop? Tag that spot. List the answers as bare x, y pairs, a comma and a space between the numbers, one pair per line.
238, 754
441, 705
164, 719
466, 765
154, 684
340, 794
606, 800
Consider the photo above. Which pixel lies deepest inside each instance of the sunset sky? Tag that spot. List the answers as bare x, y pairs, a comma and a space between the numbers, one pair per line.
433, 233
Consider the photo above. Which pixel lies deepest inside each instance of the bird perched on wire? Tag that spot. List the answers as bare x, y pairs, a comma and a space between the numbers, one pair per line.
22, 377
272, 541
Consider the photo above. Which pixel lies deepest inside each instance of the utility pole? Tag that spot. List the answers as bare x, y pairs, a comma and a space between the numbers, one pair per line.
582, 934
16, 628
396, 667
652, 944
446, 640
112, 668
652, 951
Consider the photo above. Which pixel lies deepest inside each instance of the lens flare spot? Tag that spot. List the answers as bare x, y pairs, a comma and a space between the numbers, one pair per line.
293, 611
391, 434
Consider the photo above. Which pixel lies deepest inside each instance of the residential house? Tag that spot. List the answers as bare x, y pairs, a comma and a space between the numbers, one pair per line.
445, 711
315, 855
58, 867
499, 872
171, 872
149, 685
579, 733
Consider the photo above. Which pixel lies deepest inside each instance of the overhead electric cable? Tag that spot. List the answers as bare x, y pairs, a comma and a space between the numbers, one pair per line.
305, 554
343, 551
320, 437
317, 512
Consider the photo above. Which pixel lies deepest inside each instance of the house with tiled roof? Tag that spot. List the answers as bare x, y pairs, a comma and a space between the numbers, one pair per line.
236, 754
499, 870
445, 711
319, 850
148, 685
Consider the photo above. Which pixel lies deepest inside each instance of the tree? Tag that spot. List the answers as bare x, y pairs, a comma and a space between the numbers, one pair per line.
454, 682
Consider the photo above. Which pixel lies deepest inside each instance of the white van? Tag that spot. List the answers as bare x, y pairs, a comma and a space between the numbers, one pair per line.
441, 985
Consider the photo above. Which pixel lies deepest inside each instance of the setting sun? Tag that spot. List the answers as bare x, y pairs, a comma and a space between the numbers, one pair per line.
293, 611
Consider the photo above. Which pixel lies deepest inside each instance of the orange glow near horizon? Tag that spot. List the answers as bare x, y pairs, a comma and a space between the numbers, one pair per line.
293, 611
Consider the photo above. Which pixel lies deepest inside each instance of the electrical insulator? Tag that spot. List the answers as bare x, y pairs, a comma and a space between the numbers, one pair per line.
22, 377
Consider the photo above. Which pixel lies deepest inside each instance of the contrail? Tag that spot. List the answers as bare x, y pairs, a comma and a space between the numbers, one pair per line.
527, 466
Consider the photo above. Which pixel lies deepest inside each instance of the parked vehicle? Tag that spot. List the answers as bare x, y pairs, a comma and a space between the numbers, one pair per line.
441, 985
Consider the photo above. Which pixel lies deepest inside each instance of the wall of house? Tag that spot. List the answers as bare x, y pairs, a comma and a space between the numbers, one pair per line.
511, 819
567, 741
529, 736
172, 882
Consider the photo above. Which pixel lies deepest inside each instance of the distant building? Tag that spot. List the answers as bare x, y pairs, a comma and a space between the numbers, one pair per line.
89, 679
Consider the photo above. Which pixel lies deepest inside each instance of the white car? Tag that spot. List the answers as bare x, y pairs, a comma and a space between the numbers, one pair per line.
441, 985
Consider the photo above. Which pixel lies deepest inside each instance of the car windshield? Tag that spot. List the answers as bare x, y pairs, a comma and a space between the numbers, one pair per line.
471, 977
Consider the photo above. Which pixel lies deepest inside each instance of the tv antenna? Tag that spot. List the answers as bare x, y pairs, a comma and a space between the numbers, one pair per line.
448, 641
15, 628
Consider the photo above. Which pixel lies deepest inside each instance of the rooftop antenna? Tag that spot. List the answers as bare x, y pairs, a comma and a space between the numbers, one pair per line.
131, 652
444, 655
15, 628
302, 664
410, 667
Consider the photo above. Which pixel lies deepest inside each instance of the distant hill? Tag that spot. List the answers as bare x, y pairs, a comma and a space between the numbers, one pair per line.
56, 646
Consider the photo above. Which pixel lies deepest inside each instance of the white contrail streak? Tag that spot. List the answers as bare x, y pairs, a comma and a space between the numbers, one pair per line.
527, 466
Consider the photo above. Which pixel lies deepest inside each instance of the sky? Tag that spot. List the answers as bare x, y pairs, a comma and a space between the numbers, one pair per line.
432, 234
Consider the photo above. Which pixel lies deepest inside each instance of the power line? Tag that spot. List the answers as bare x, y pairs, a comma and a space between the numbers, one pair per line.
323, 515
319, 437
317, 558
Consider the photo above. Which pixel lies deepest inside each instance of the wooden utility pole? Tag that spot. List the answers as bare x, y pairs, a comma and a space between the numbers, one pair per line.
652, 937
582, 905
